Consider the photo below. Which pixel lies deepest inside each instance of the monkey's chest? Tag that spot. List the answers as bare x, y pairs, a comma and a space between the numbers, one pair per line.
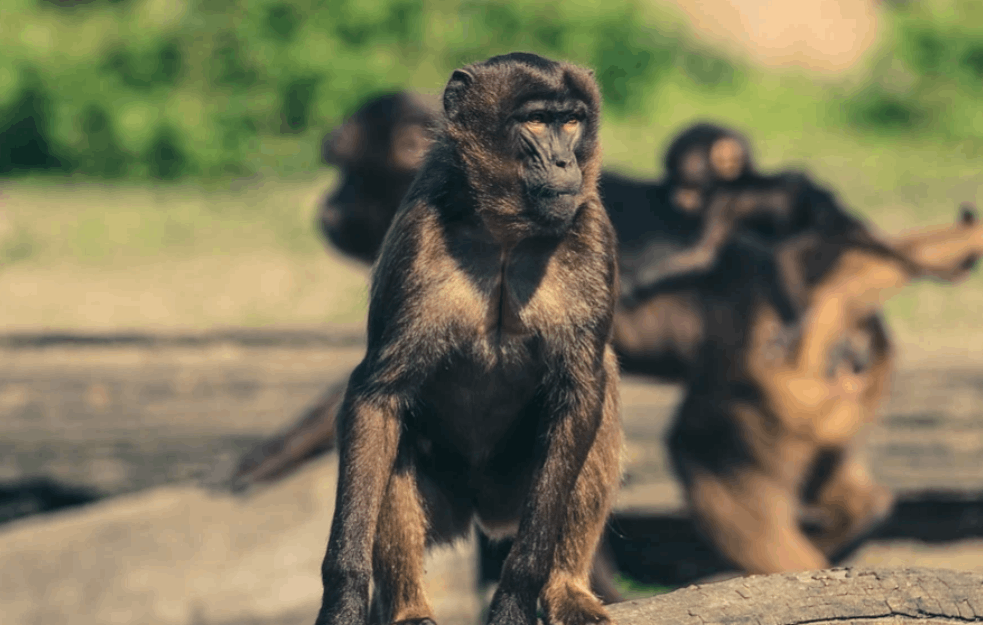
475, 408
503, 319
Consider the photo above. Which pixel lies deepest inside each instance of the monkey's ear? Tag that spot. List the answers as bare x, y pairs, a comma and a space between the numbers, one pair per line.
341, 145
461, 80
967, 214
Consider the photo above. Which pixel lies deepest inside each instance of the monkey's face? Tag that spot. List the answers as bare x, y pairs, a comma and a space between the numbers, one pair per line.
707, 154
545, 135
526, 128
378, 150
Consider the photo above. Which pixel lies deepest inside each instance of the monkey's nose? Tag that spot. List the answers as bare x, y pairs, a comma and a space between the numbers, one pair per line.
562, 163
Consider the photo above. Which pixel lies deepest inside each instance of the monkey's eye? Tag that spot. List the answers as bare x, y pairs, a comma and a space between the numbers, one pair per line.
571, 124
536, 122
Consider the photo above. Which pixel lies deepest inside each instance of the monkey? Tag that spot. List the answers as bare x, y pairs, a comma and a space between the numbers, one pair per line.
488, 390
730, 197
702, 157
755, 426
378, 150
660, 336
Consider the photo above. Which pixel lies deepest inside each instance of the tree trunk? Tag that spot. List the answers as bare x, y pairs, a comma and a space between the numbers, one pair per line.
842, 595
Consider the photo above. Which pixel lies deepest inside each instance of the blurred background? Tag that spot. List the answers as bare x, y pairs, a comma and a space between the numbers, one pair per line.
166, 300
160, 161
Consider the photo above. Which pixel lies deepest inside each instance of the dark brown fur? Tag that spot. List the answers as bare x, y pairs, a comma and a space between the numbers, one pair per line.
757, 424
489, 386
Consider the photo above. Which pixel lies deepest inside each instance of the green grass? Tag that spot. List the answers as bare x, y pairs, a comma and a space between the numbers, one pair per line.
631, 589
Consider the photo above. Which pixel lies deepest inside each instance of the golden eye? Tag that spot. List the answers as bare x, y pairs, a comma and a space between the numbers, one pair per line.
536, 122
571, 125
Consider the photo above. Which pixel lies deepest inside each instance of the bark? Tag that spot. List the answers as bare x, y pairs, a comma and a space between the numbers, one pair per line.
842, 595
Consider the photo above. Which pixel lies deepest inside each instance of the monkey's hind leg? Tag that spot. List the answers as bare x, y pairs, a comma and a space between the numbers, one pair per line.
567, 598
752, 519
880, 367
853, 502
398, 553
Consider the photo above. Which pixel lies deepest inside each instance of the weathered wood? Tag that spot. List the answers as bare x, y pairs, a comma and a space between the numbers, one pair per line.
846, 595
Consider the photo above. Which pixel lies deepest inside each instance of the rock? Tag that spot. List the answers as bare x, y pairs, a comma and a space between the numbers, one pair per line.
179, 555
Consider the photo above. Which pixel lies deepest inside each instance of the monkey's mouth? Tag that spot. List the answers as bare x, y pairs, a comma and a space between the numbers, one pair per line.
549, 193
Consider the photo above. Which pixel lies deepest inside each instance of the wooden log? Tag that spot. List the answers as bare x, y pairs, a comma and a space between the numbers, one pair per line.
844, 595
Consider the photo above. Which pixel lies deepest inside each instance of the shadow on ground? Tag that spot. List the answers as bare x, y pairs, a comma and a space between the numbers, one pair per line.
661, 549
24, 498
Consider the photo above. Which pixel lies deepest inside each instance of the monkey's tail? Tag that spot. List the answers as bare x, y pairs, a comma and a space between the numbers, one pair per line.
283, 454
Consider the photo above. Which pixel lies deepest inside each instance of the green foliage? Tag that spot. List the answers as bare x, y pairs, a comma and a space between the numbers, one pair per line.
930, 77
163, 89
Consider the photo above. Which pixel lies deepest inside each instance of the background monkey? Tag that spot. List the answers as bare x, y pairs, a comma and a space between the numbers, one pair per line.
489, 386
758, 434
378, 150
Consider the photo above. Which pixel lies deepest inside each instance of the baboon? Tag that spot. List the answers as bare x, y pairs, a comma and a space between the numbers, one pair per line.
728, 198
659, 336
702, 157
488, 390
378, 150
761, 431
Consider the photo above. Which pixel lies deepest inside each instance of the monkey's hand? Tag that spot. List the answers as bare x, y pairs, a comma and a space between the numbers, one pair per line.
784, 341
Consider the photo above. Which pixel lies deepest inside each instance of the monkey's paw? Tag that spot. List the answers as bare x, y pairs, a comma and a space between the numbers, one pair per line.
569, 604
783, 342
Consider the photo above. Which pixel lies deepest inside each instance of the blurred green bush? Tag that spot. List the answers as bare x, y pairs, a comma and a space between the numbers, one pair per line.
929, 75
167, 88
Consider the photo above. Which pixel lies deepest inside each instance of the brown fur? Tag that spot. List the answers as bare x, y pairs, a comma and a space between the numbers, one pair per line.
489, 386
749, 437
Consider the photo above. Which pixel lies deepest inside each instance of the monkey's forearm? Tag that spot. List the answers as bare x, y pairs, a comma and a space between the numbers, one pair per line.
571, 436
368, 440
